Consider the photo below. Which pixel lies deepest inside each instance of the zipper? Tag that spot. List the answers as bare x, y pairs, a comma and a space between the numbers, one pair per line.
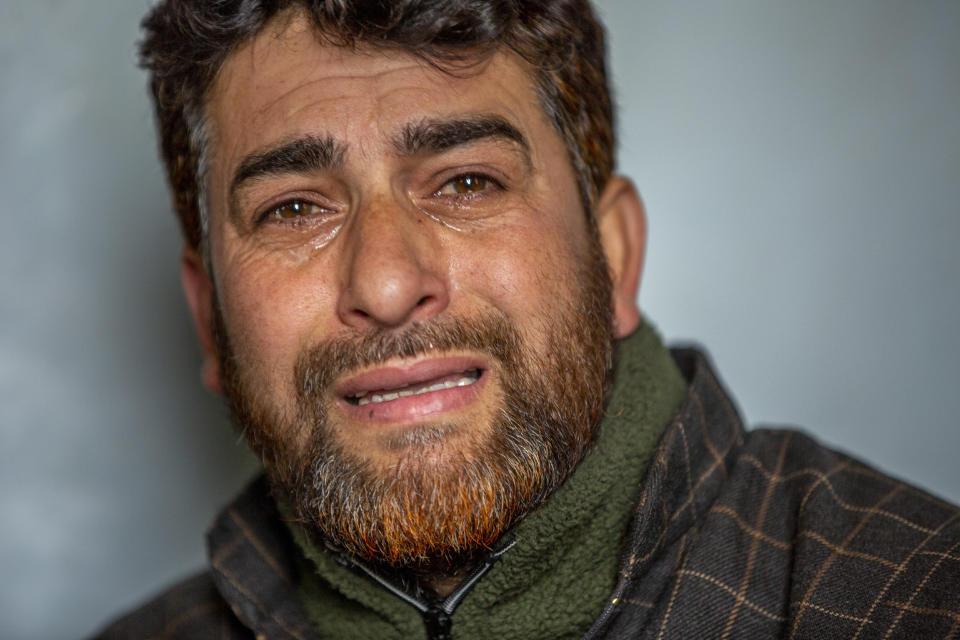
436, 614
437, 622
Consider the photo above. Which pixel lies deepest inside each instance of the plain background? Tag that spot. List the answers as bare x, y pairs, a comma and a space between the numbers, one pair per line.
800, 163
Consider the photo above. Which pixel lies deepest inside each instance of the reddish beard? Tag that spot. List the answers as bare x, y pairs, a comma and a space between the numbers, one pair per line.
418, 509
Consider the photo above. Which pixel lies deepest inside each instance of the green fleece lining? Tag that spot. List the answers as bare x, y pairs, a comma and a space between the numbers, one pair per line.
556, 580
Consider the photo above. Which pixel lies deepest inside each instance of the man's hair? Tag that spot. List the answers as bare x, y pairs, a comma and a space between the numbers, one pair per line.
187, 41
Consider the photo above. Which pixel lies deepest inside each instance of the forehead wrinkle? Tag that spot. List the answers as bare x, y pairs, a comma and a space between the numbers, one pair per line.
298, 37
337, 79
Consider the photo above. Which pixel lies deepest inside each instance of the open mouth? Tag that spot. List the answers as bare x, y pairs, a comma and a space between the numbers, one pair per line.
450, 381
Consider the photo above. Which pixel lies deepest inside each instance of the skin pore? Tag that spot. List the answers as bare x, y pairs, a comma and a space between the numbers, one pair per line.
371, 218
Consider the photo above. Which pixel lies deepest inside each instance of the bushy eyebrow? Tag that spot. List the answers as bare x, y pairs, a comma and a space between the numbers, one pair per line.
303, 155
435, 136
312, 153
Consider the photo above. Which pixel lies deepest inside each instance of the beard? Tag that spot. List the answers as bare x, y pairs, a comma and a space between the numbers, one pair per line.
451, 488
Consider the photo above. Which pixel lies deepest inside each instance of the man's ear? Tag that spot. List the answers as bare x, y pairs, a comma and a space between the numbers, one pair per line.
623, 234
199, 292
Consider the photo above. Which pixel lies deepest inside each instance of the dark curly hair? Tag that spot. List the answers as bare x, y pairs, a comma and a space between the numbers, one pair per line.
186, 42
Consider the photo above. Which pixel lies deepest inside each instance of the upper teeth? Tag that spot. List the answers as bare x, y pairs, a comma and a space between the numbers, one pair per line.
363, 398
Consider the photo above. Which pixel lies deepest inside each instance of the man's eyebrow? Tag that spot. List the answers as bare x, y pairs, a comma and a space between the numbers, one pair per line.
302, 155
432, 136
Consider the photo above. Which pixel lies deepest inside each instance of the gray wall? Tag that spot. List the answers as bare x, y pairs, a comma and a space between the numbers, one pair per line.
800, 163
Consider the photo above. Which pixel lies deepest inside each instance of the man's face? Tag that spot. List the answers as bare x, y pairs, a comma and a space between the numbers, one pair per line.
405, 281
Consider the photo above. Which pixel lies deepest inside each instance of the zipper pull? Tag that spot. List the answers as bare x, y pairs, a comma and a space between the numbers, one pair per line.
438, 623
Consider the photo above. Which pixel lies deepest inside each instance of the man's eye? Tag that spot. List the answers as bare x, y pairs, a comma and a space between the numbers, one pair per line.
291, 211
467, 184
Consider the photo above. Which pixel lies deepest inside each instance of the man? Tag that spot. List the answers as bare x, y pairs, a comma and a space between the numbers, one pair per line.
413, 274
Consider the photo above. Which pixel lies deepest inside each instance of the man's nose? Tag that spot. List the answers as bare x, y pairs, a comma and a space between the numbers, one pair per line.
392, 275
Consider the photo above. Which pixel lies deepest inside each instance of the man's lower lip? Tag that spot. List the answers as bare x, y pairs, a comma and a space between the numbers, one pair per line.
415, 407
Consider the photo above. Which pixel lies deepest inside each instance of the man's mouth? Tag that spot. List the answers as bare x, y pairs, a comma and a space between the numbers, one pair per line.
403, 393
458, 379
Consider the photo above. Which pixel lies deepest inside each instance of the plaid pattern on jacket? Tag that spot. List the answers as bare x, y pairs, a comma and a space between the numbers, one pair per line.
765, 534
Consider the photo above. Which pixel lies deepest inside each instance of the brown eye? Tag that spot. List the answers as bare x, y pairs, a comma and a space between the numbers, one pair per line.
294, 212
467, 184
470, 184
291, 210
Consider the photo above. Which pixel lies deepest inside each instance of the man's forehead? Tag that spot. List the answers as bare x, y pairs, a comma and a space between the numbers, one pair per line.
288, 75
290, 51
294, 45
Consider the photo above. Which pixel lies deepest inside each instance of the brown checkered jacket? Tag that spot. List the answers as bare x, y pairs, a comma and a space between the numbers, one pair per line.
764, 534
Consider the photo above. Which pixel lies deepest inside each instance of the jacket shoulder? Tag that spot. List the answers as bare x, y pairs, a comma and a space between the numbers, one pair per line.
868, 550
191, 609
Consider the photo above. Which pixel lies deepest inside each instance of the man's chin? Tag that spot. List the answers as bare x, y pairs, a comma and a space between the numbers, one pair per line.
426, 444
431, 445
425, 498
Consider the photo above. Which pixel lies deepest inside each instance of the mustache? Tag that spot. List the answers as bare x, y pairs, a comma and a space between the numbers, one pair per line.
319, 367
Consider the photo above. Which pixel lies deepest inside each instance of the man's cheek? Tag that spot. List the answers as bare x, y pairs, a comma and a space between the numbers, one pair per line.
517, 264
264, 328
